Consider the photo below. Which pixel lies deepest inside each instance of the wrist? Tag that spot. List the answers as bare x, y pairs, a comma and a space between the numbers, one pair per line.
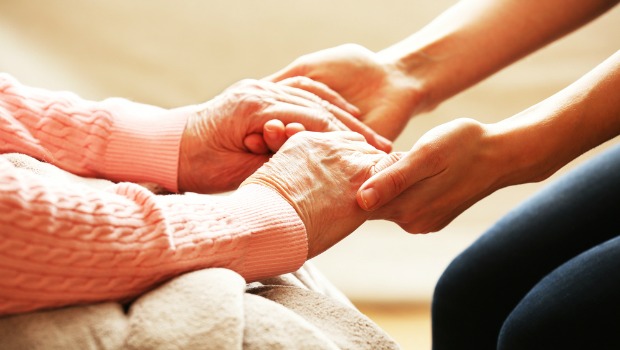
278, 243
252, 231
405, 69
144, 143
426, 66
189, 154
525, 151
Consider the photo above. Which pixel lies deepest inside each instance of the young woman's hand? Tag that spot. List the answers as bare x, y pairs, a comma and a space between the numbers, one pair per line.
384, 94
449, 169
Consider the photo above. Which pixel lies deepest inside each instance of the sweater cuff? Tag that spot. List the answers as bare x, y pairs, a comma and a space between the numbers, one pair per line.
278, 242
144, 143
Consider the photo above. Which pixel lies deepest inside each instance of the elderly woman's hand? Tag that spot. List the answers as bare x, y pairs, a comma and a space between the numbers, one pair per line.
319, 174
214, 154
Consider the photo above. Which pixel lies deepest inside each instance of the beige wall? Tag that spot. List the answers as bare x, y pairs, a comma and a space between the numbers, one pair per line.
172, 53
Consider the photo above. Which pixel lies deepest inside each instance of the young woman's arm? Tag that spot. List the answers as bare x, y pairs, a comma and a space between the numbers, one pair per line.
456, 164
465, 44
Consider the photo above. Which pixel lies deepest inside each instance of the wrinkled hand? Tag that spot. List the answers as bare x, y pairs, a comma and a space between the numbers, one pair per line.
384, 94
448, 170
319, 174
216, 153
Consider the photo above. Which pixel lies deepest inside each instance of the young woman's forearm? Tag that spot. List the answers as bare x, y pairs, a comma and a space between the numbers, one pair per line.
545, 137
475, 38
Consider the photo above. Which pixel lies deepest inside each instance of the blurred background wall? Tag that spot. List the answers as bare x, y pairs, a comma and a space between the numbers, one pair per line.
171, 53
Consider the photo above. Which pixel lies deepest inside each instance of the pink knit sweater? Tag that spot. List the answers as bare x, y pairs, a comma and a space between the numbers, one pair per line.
62, 245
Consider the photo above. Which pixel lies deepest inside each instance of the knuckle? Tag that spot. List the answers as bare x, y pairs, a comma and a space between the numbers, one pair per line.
434, 159
465, 122
468, 126
409, 228
397, 179
245, 88
416, 228
424, 225
247, 104
407, 222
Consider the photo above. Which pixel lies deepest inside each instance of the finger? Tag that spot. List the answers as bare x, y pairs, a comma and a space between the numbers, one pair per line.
354, 124
337, 135
298, 96
307, 99
293, 128
274, 134
325, 118
255, 144
319, 113
387, 184
322, 91
312, 118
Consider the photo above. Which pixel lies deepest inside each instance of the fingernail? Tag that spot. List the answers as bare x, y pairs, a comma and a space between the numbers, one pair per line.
370, 197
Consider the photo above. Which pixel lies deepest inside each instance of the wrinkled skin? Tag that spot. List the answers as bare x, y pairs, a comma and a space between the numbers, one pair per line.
319, 174
214, 152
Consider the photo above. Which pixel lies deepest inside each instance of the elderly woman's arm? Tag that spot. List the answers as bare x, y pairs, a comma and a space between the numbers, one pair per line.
196, 148
457, 164
64, 244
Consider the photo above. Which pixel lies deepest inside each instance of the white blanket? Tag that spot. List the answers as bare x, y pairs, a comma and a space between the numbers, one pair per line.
206, 309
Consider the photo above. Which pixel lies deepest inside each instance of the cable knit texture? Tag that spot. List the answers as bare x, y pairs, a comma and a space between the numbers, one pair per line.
64, 244
114, 139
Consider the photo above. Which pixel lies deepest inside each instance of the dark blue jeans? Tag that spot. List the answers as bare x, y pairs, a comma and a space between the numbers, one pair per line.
546, 276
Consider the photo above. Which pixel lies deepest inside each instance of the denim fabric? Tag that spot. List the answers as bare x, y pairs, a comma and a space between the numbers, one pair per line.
546, 276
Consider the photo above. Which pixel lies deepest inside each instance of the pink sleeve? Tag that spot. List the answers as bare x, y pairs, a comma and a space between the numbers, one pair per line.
63, 245
115, 139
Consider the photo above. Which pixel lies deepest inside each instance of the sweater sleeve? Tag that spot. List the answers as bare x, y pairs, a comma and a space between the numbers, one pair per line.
116, 139
63, 245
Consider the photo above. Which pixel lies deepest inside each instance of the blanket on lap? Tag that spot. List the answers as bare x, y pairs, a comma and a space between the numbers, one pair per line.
207, 309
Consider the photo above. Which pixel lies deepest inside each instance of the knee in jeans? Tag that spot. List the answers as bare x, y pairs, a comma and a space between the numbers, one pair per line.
515, 334
455, 286
527, 327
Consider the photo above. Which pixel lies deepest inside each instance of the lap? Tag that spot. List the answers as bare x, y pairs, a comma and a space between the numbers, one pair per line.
575, 306
484, 284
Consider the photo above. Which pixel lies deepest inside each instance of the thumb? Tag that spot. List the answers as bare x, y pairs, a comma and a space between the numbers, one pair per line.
392, 175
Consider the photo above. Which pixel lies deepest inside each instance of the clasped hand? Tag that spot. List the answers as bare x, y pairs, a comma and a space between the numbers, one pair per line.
219, 148
319, 174
386, 95
448, 169
322, 175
